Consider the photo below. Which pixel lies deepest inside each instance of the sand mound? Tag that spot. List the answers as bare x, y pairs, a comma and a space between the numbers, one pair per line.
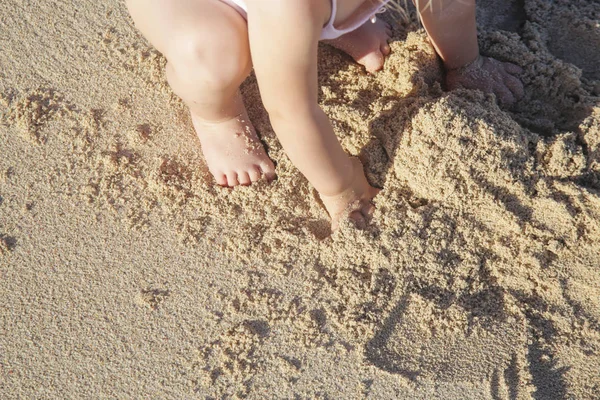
478, 277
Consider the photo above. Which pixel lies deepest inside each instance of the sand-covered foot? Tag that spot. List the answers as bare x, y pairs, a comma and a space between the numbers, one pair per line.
368, 45
233, 151
354, 202
490, 76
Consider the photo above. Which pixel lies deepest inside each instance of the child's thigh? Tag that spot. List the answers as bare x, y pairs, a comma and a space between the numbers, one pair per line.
196, 29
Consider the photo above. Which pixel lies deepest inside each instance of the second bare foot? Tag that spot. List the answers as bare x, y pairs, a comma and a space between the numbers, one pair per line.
233, 151
354, 202
368, 45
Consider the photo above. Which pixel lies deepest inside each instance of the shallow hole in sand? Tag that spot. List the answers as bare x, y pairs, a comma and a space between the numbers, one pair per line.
7, 243
576, 42
504, 15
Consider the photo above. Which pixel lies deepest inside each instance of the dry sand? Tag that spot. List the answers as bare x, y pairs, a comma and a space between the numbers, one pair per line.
125, 273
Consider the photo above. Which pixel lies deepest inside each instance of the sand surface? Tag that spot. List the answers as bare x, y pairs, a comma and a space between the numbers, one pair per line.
125, 273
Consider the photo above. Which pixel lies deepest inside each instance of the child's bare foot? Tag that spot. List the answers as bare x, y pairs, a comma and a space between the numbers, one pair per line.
354, 202
490, 76
368, 45
233, 152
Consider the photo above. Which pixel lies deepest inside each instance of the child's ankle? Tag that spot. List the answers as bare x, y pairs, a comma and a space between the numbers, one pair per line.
216, 119
348, 189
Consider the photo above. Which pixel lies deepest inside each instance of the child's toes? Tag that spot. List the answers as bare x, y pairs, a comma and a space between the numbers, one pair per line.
385, 49
504, 96
221, 179
254, 173
359, 219
232, 179
367, 210
515, 85
373, 61
244, 178
268, 170
513, 68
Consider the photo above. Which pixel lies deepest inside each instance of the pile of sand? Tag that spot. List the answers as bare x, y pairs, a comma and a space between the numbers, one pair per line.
127, 272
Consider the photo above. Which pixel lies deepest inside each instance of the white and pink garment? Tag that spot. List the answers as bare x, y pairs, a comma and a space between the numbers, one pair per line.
329, 31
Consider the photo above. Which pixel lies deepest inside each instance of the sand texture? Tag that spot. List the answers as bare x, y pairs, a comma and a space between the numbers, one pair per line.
126, 273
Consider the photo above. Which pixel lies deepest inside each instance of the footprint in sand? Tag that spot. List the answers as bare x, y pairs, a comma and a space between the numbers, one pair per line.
576, 41
503, 15
153, 298
7, 244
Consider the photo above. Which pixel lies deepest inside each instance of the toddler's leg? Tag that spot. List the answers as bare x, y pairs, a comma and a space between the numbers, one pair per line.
206, 45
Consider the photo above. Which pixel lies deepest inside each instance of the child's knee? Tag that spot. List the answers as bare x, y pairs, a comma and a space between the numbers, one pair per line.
209, 62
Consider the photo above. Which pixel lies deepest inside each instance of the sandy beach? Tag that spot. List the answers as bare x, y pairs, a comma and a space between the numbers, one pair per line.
126, 273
